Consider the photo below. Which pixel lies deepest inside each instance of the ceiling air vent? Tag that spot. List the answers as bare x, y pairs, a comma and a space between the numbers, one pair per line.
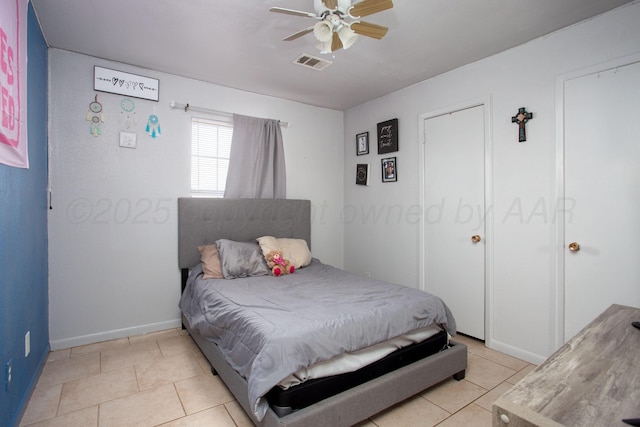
313, 62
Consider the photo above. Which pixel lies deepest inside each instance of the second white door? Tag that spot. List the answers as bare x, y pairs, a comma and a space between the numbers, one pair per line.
602, 191
454, 240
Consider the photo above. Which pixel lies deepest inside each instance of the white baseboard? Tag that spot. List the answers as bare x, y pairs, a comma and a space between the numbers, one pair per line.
533, 358
115, 334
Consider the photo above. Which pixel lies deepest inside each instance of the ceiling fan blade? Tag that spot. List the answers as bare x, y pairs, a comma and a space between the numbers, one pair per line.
369, 30
369, 7
336, 43
330, 4
293, 12
298, 34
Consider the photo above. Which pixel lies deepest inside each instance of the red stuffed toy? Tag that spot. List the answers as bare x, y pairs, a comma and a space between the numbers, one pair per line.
278, 264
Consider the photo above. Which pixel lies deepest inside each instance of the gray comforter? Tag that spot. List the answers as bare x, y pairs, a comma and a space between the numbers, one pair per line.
270, 327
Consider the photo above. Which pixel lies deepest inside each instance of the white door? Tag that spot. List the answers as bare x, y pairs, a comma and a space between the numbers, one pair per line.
454, 264
602, 193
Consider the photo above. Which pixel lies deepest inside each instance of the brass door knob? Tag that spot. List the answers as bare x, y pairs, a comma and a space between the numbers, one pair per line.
476, 238
574, 247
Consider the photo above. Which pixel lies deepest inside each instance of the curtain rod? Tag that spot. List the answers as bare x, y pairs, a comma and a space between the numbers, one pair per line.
187, 107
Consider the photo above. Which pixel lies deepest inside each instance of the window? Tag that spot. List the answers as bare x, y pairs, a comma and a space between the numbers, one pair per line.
210, 149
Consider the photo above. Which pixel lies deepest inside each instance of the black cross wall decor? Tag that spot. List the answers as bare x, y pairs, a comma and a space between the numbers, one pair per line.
521, 118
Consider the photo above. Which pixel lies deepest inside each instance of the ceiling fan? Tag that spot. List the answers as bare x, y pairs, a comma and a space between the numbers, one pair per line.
338, 23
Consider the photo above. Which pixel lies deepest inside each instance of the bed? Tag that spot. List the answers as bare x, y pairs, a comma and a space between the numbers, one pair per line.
341, 399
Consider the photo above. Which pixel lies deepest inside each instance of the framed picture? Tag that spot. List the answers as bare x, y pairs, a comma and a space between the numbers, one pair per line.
362, 143
388, 136
389, 169
127, 84
362, 174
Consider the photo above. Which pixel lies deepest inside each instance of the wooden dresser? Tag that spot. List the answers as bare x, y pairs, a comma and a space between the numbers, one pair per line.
593, 380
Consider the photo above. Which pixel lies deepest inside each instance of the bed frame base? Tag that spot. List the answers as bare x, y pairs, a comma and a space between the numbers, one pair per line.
286, 401
353, 405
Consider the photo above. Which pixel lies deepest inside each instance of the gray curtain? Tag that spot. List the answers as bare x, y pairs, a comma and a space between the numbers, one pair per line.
256, 162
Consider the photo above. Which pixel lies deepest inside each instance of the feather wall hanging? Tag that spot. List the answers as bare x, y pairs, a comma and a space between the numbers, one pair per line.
153, 126
95, 115
128, 115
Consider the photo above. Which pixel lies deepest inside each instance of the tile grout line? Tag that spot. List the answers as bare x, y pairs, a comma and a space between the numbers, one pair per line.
59, 400
181, 405
224, 405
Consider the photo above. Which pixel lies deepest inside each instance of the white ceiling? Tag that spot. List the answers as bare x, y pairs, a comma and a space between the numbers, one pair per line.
238, 43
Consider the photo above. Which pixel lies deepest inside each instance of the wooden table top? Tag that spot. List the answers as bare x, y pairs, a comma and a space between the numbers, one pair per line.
592, 380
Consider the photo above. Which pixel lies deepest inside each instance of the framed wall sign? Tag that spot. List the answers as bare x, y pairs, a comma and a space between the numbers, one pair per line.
112, 81
14, 149
362, 174
389, 169
388, 136
362, 143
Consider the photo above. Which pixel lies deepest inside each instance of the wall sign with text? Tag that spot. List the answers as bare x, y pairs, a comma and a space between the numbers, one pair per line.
13, 83
112, 81
388, 136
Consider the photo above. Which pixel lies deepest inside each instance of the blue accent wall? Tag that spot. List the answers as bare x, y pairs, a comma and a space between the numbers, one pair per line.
23, 245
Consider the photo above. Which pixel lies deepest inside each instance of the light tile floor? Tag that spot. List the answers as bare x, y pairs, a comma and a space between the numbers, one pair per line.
162, 379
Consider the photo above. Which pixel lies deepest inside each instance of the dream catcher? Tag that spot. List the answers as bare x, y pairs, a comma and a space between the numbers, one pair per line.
153, 126
127, 113
96, 116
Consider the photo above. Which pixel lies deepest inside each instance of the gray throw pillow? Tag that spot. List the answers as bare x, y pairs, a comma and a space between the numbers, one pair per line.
241, 259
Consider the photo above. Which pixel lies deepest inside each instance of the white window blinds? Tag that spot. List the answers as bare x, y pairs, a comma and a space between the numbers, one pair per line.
210, 149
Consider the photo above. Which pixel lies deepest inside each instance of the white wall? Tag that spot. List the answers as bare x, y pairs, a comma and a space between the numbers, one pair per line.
523, 286
113, 226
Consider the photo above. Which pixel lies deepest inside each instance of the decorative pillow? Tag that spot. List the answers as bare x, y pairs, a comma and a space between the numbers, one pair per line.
295, 250
268, 244
241, 259
210, 258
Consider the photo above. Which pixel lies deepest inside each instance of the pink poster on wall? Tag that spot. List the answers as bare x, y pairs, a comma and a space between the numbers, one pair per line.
13, 76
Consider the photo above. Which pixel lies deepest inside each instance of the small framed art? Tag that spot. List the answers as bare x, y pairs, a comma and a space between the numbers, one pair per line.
389, 169
388, 136
362, 174
362, 143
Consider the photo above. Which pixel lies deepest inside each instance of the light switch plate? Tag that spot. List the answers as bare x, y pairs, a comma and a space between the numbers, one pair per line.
128, 139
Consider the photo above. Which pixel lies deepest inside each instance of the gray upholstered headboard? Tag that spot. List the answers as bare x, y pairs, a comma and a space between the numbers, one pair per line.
203, 221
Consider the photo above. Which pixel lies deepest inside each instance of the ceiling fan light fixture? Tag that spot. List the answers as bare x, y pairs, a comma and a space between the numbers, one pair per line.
323, 31
324, 47
347, 36
334, 30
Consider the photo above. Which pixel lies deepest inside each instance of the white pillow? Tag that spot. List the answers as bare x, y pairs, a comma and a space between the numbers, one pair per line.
295, 250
